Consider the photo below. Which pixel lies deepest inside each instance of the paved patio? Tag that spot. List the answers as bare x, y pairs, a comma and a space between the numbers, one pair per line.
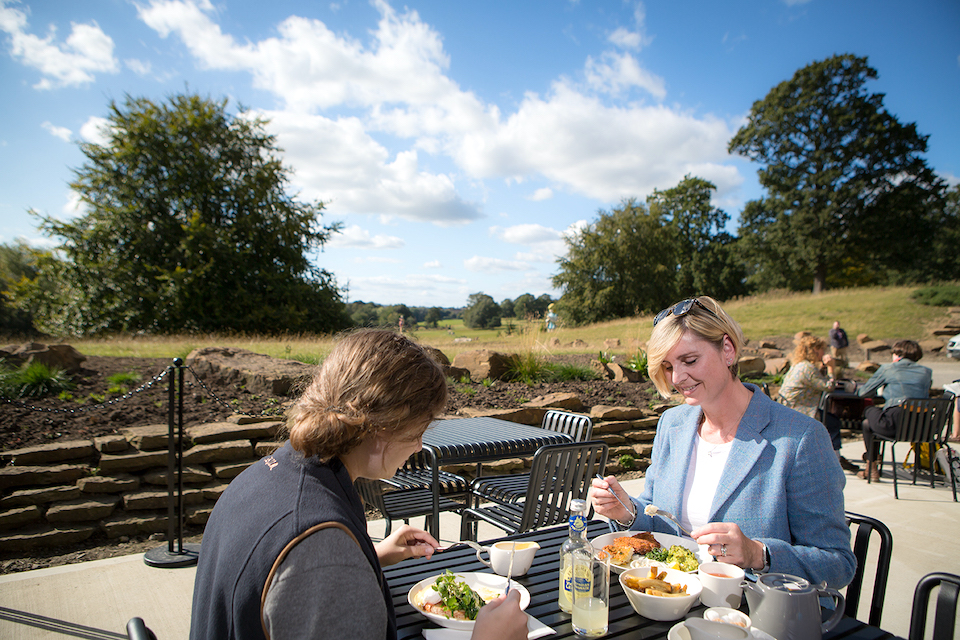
96, 599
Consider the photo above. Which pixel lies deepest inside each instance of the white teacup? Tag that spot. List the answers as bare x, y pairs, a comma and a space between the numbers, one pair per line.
523, 552
721, 584
700, 629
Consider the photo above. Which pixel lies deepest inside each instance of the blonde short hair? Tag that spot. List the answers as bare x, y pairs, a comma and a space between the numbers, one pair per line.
806, 349
708, 322
374, 382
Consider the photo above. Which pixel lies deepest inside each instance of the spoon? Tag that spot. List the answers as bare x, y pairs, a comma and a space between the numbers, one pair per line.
651, 510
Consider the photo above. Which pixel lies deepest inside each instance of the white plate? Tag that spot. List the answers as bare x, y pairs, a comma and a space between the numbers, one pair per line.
665, 540
679, 632
479, 582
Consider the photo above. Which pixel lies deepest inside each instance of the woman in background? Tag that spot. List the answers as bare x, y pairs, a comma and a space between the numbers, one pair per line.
755, 481
804, 384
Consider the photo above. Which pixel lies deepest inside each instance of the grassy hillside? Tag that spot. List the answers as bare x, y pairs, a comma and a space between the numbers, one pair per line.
883, 313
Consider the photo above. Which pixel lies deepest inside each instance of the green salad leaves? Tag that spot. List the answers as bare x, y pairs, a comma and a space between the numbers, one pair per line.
458, 596
676, 556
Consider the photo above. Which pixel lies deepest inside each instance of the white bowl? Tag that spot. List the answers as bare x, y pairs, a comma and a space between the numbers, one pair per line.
660, 607
665, 540
728, 615
482, 583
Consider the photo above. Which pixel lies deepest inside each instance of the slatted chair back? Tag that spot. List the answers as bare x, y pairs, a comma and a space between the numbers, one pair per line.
945, 616
921, 420
559, 473
578, 427
863, 530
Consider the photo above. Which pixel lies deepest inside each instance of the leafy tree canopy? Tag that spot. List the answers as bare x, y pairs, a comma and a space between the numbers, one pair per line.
481, 312
188, 227
847, 183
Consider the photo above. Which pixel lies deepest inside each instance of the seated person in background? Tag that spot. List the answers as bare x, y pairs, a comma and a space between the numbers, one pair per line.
804, 384
901, 379
756, 482
286, 552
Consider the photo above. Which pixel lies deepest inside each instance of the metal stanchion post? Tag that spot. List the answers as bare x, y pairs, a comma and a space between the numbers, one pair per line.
183, 555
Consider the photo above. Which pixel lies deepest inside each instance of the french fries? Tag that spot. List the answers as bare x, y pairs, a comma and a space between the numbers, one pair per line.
655, 585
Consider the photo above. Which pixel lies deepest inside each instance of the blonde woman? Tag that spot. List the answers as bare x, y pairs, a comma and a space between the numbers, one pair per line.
804, 384
286, 553
755, 481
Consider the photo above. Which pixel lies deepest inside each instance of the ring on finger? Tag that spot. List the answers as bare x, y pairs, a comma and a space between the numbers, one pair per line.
723, 550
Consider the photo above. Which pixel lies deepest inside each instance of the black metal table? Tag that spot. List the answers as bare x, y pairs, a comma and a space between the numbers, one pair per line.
542, 581
478, 440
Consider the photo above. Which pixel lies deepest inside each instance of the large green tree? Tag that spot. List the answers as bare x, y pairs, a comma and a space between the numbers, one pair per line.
707, 260
482, 312
189, 226
622, 264
846, 181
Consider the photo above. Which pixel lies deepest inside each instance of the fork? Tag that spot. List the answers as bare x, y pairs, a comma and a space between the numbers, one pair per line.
468, 543
651, 510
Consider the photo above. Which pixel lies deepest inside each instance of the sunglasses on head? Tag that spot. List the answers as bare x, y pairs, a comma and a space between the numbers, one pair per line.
681, 309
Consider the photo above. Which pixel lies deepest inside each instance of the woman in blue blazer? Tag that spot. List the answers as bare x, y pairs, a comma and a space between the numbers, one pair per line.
756, 481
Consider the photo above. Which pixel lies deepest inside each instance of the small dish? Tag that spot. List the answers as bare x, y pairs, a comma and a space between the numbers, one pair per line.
659, 607
483, 583
679, 632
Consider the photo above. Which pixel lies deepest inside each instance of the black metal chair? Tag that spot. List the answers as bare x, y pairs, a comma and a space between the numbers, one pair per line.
922, 421
421, 471
945, 616
863, 528
560, 473
512, 488
403, 504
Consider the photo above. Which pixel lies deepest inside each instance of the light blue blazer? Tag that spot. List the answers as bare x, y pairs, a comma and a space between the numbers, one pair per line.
782, 485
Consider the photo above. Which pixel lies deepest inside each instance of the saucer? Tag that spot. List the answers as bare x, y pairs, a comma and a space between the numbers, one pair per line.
679, 632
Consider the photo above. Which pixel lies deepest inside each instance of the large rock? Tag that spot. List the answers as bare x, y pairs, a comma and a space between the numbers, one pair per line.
484, 363
751, 365
259, 373
568, 401
50, 453
61, 356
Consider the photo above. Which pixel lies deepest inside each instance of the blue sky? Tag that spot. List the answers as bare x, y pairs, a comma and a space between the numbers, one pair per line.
458, 142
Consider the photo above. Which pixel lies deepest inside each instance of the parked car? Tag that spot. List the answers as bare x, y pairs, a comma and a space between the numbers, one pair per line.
953, 347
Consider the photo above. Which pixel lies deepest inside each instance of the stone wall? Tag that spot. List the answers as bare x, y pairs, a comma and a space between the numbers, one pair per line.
63, 493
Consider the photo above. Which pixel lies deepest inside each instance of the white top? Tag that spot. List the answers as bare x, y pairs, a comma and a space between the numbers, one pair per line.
703, 476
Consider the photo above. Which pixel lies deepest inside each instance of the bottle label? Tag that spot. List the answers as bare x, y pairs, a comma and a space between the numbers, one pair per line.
578, 523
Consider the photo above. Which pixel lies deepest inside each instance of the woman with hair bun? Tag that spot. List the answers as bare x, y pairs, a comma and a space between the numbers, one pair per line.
286, 553
756, 482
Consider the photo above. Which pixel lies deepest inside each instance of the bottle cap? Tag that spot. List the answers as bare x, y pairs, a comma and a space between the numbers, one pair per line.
578, 505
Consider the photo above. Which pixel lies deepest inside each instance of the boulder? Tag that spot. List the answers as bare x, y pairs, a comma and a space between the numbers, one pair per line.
867, 366
775, 366
456, 373
568, 401
50, 453
61, 356
484, 363
863, 338
800, 334
875, 346
437, 355
259, 373
751, 365
933, 346
611, 343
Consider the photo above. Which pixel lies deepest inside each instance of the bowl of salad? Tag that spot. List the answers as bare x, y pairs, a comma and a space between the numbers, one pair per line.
453, 600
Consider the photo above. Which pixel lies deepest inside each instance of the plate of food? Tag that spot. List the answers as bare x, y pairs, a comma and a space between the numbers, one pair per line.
453, 600
631, 549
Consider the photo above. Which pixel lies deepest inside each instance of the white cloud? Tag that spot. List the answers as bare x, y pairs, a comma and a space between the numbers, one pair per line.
627, 39
356, 237
487, 265
60, 132
96, 130
74, 206
139, 67
86, 51
433, 264
544, 193
615, 73
526, 234
338, 162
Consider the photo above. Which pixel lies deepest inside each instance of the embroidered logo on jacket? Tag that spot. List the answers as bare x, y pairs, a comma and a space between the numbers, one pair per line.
271, 462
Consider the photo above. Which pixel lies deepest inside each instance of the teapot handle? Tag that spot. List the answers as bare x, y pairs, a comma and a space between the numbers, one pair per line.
837, 613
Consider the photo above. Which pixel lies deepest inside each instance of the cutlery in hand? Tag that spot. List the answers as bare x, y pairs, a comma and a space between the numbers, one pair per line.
651, 510
614, 494
513, 550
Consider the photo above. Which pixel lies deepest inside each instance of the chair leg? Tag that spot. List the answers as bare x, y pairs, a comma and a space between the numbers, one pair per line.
389, 526
893, 466
931, 454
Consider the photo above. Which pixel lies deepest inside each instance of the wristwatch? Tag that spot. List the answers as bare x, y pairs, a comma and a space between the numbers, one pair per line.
629, 524
766, 559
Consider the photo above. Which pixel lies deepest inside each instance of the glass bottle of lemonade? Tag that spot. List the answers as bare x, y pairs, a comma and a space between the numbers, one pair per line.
576, 543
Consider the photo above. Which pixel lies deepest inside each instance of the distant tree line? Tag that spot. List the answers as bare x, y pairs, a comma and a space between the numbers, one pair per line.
187, 225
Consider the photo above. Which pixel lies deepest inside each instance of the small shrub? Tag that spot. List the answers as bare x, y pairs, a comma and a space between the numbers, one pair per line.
120, 383
34, 380
487, 382
627, 461
604, 358
638, 362
565, 372
97, 397
527, 368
